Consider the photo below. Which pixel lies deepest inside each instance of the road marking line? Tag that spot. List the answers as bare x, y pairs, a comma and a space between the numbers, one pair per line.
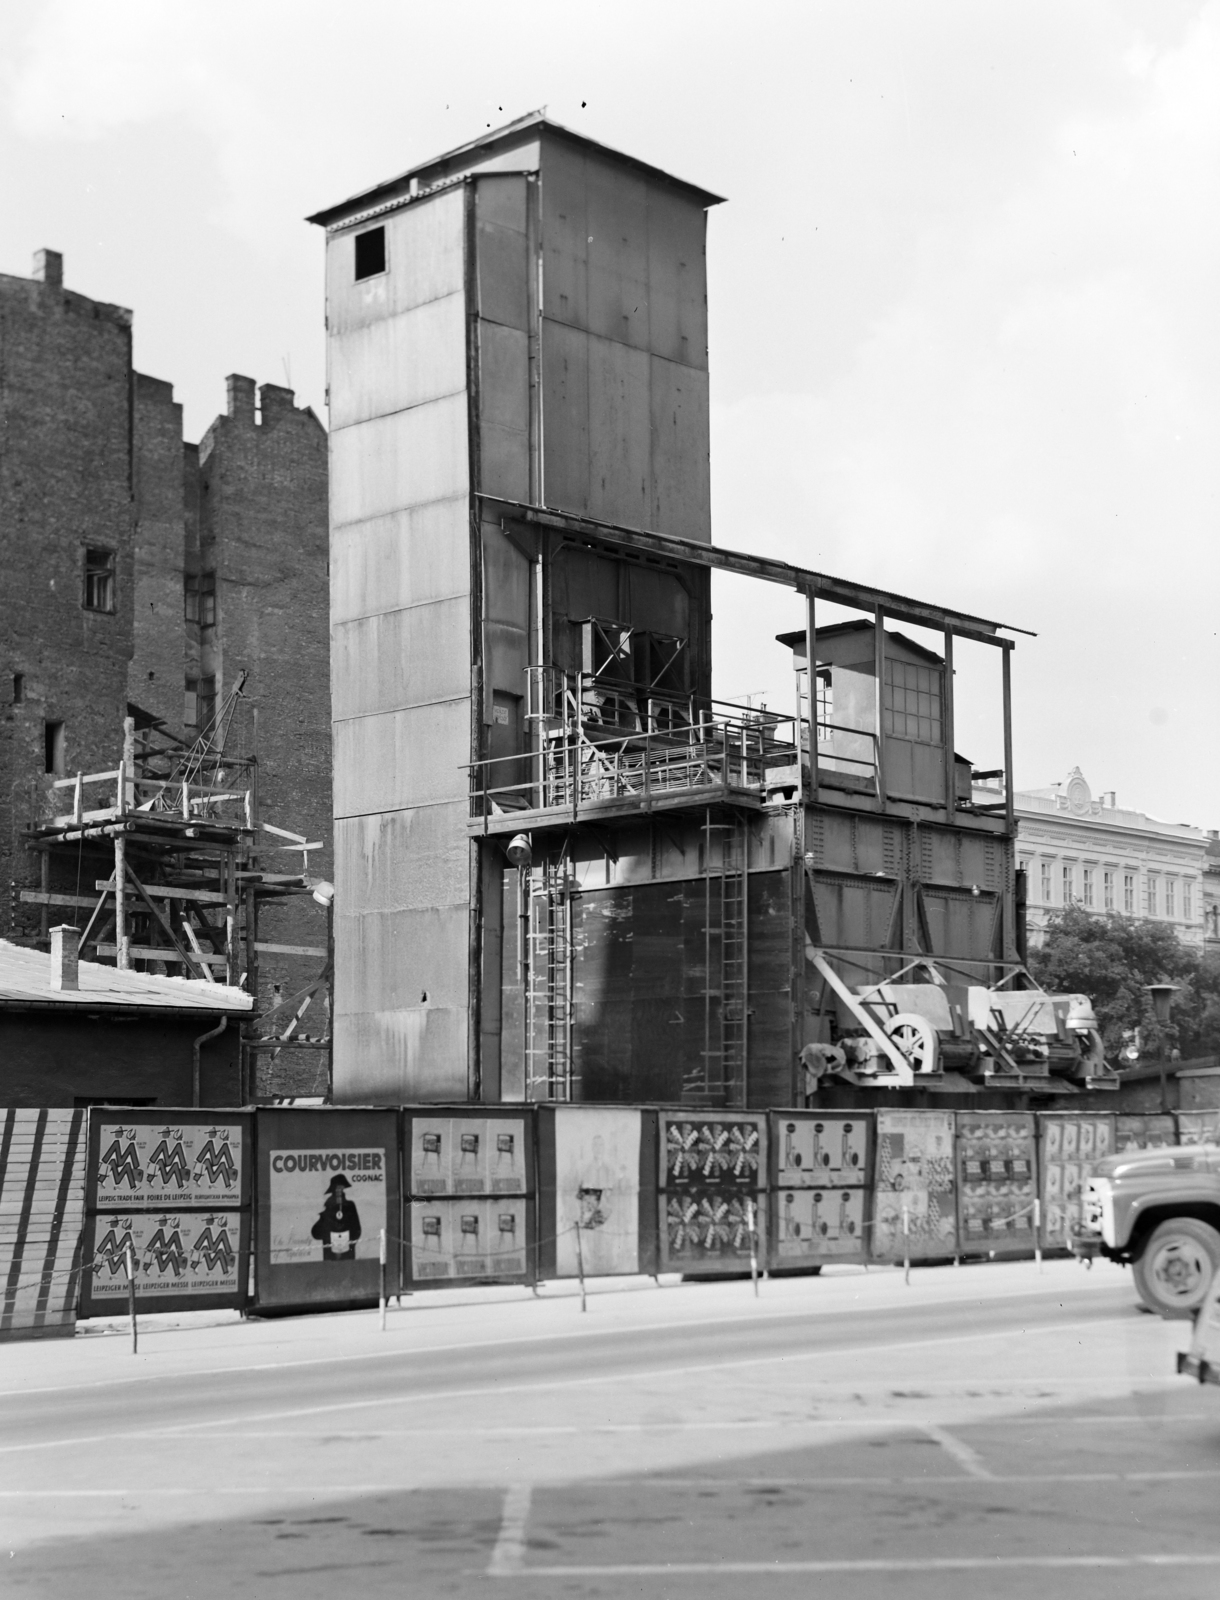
969, 1460
552, 1384
699, 1569
311, 1491
508, 1557
742, 1318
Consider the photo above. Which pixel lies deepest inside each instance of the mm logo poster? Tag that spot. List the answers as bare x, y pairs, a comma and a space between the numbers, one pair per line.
168, 1160
184, 1260
327, 1205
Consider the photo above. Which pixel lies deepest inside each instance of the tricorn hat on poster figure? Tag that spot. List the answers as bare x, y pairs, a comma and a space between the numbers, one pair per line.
336, 1183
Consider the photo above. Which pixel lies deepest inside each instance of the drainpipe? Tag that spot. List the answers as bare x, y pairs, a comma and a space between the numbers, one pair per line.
202, 1040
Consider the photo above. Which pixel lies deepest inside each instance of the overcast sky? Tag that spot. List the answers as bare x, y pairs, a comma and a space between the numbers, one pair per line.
963, 297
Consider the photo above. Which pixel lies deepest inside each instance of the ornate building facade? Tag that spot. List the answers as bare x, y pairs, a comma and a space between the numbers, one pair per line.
1094, 853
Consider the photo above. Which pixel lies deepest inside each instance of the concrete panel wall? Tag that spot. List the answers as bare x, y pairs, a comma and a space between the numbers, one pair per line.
624, 346
407, 558
401, 653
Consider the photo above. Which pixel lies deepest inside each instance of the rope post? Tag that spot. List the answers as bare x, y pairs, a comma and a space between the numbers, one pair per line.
906, 1244
131, 1297
753, 1244
580, 1268
381, 1255
1038, 1232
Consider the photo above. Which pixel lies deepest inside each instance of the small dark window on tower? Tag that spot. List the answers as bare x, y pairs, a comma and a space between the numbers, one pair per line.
53, 736
18, 688
370, 253
99, 580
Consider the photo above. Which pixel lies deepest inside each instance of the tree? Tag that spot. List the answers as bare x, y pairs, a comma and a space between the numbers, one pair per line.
1111, 958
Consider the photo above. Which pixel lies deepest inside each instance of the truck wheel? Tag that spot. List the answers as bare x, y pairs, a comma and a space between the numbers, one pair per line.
1176, 1268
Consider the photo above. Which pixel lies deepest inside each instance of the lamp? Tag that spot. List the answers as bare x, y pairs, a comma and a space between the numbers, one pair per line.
323, 892
1160, 993
520, 851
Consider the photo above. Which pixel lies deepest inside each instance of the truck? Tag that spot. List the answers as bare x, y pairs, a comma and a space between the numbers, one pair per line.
1157, 1211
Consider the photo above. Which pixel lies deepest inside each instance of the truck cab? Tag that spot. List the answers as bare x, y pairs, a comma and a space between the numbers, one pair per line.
1159, 1211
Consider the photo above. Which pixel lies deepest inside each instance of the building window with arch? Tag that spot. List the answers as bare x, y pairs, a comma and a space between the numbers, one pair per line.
1129, 893
1069, 883
1171, 897
1107, 891
1087, 892
1188, 900
1046, 882
1150, 895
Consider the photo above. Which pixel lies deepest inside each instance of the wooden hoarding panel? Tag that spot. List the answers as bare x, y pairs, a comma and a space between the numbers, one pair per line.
42, 1191
597, 1171
327, 1185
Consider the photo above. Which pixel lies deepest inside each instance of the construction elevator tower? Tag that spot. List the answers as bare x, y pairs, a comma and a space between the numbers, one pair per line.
521, 321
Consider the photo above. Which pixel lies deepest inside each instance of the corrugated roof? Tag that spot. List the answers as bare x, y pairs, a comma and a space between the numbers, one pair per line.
25, 979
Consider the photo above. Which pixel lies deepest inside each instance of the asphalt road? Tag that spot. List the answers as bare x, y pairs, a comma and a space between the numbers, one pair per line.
984, 1431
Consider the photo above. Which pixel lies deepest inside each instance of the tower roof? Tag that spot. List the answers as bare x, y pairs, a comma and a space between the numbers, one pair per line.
492, 146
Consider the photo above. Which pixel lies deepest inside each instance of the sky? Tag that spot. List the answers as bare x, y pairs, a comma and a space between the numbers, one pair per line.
964, 317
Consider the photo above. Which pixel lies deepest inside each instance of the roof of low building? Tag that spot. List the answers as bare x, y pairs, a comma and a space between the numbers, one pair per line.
25, 980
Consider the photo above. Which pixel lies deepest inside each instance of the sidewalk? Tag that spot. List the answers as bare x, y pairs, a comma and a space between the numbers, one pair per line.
447, 1319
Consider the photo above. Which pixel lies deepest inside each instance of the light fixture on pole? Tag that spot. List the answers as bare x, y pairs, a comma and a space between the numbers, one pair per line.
520, 851
1161, 993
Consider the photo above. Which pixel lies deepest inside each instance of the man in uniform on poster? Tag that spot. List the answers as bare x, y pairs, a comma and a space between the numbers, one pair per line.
338, 1225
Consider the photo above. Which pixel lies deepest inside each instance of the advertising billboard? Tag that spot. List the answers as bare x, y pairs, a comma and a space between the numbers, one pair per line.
810, 1226
820, 1149
1145, 1131
481, 1153
914, 1200
995, 1182
708, 1231
1071, 1143
722, 1151
480, 1238
184, 1260
597, 1167
327, 1186
149, 1158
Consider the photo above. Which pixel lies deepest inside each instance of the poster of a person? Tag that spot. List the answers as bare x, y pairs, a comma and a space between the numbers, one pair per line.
338, 1224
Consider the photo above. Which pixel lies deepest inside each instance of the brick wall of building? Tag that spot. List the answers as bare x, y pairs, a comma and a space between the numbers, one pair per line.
263, 530
65, 486
155, 682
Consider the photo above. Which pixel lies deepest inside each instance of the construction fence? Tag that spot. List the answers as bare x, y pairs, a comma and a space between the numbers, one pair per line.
288, 1209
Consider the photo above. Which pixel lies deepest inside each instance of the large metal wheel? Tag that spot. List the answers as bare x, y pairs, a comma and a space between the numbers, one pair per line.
1176, 1268
916, 1038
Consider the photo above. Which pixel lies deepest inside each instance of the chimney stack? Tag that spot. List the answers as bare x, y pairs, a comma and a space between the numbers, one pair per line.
65, 957
49, 268
274, 402
240, 392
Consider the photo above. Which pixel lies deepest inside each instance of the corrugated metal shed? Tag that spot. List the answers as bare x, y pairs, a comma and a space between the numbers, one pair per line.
25, 979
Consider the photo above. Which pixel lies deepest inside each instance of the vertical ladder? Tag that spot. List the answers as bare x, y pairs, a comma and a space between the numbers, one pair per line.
549, 985
719, 1078
733, 965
